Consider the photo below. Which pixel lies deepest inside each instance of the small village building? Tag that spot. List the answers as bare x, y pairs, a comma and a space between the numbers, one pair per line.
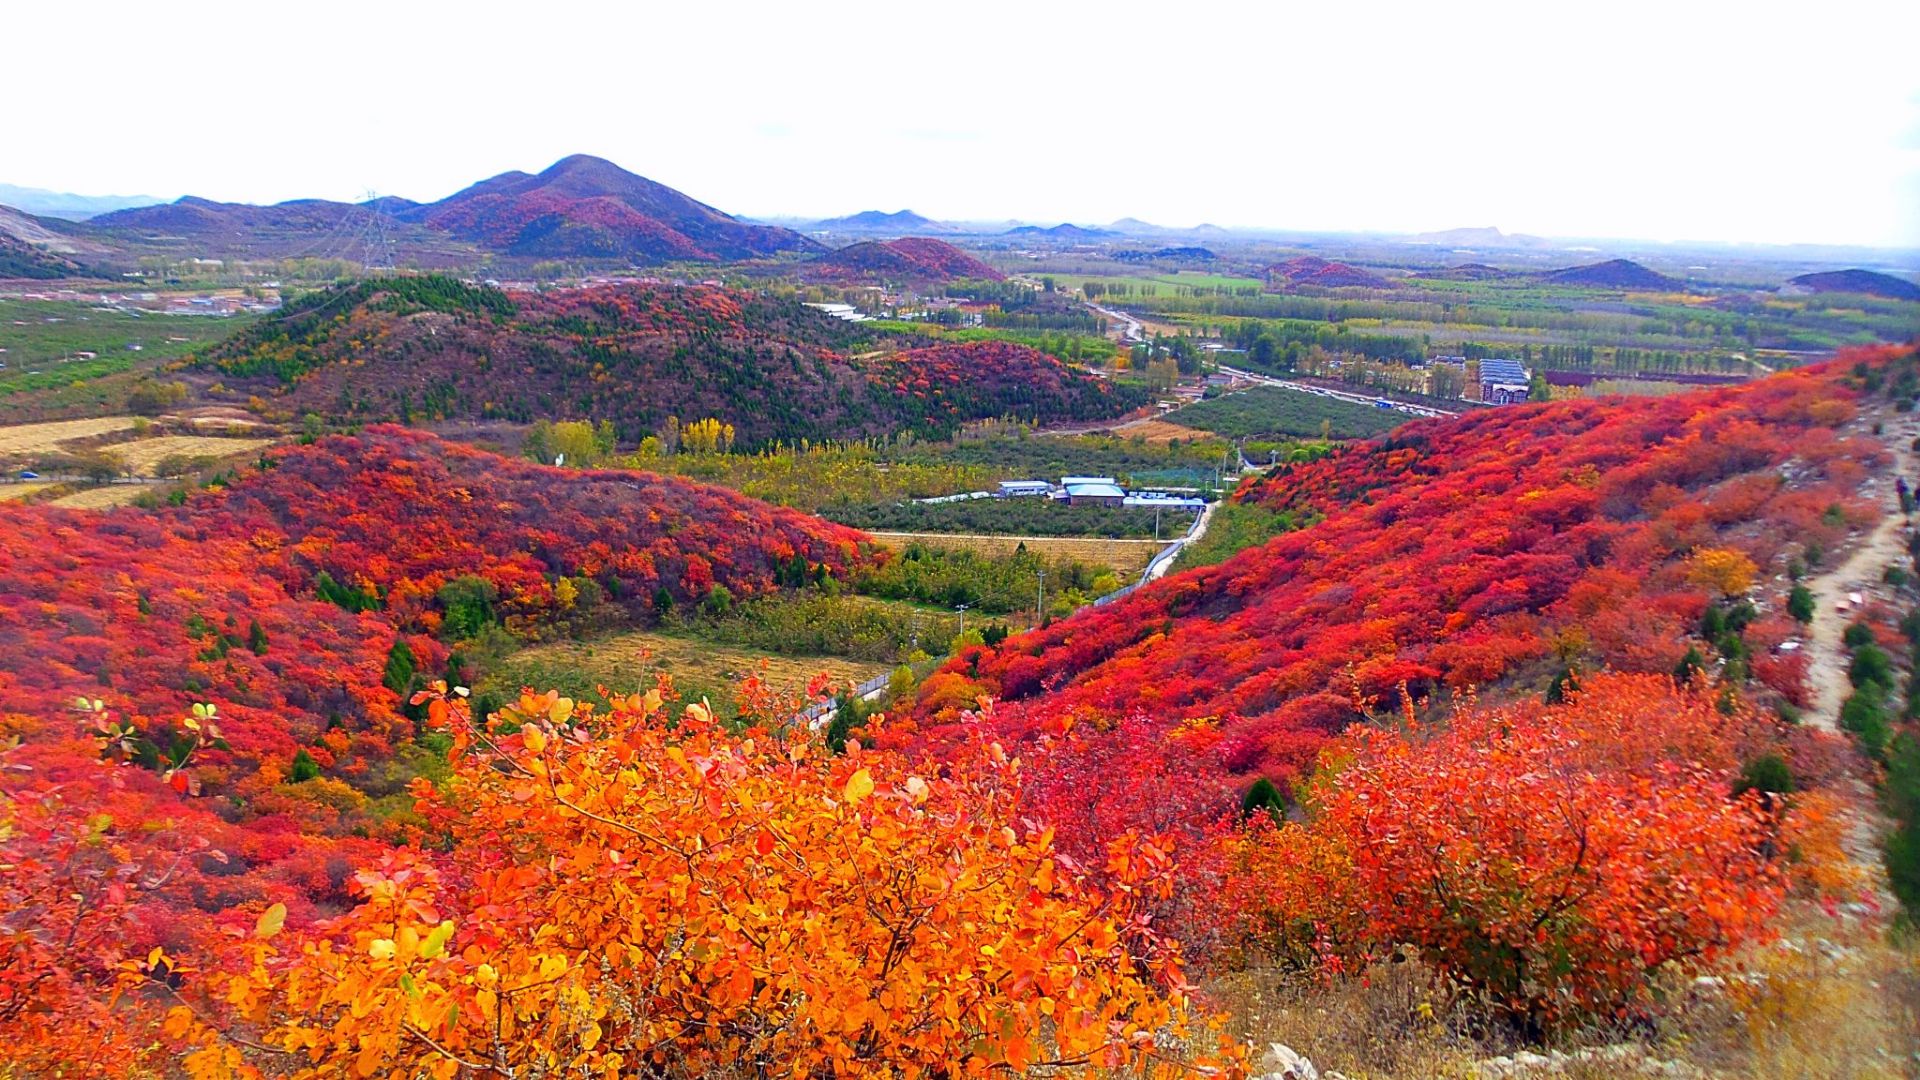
1018, 488
1095, 494
1503, 382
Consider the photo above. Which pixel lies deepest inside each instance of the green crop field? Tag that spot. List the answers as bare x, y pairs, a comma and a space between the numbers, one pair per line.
1272, 410
42, 340
1151, 283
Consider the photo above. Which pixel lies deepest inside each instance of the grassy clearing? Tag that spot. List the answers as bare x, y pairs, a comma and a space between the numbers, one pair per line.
141, 456
1151, 284
1161, 432
43, 340
16, 492
102, 498
632, 661
48, 437
1276, 411
1124, 556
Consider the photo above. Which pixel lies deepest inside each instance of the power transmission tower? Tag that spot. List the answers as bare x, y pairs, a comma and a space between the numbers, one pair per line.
377, 249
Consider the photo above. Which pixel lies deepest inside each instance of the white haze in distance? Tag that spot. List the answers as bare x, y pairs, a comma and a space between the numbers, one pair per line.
1762, 122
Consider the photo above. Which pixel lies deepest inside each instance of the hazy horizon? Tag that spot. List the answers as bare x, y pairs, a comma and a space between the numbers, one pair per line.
1712, 124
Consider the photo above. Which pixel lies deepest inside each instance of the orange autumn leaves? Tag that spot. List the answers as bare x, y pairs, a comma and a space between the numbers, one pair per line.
1549, 858
630, 894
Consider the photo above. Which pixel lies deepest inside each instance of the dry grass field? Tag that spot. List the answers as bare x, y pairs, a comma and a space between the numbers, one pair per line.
1161, 432
142, 455
24, 439
1125, 556
16, 492
101, 498
628, 662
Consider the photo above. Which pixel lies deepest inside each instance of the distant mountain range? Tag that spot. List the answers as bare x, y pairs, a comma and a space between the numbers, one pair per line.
900, 222
71, 207
1482, 237
1067, 231
1132, 226
581, 207
588, 207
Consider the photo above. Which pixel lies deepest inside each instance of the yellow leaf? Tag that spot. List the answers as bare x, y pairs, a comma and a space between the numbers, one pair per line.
532, 738
590, 1037
437, 939
270, 921
859, 786
560, 710
381, 949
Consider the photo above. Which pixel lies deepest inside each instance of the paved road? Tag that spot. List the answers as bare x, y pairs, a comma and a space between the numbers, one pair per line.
1129, 328
1321, 391
1158, 568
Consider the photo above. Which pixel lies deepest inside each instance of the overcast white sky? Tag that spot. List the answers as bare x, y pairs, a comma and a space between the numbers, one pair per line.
1758, 121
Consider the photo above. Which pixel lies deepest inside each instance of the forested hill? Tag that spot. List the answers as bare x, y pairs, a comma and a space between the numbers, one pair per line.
299, 608
1507, 545
432, 348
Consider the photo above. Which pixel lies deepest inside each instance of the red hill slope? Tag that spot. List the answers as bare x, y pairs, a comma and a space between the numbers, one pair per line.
1613, 274
579, 208
1320, 273
584, 206
221, 601
911, 258
1861, 282
434, 348
1453, 553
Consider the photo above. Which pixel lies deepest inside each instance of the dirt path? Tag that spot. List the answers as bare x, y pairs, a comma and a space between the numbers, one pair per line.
1860, 573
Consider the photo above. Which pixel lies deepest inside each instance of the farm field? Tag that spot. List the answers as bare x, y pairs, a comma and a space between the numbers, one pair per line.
102, 498
47, 437
1272, 410
631, 661
1015, 517
143, 455
1125, 556
41, 338
1161, 432
1149, 284
16, 492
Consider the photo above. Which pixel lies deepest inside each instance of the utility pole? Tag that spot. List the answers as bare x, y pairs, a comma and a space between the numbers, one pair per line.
962, 609
1040, 605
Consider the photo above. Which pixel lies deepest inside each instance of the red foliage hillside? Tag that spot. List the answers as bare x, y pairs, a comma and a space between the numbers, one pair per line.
1321, 273
400, 513
977, 378
1454, 553
913, 258
1613, 274
587, 207
152, 612
433, 348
